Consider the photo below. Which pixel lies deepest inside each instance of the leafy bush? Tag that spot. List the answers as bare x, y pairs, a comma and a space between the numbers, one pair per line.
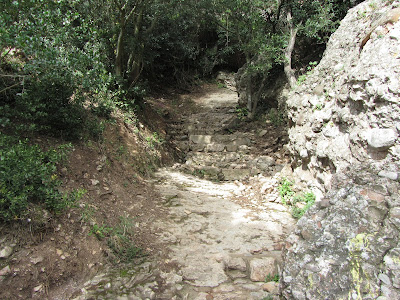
28, 176
48, 104
241, 113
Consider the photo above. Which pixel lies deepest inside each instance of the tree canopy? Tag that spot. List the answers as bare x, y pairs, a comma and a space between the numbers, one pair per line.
54, 54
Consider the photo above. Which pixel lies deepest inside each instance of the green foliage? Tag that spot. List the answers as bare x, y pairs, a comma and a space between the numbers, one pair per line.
154, 139
51, 61
310, 67
299, 203
100, 231
28, 176
199, 173
242, 113
318, 106
122, 243
306, 200
120, 239
285, 190
270, 278
276, 117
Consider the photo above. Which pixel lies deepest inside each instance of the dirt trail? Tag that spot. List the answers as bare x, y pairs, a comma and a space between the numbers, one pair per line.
224, 228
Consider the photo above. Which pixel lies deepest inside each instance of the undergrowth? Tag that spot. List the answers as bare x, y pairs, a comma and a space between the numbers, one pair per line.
298, 203
120, 239
28, 176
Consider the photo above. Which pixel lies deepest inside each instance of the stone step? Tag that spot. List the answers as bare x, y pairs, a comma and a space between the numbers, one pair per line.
230, 166
219, 143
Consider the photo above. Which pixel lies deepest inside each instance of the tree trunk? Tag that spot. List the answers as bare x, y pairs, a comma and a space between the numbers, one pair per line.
119, 55
255, 97
289, 72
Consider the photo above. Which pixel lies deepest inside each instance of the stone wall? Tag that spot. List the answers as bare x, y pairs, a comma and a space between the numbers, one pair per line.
345, 122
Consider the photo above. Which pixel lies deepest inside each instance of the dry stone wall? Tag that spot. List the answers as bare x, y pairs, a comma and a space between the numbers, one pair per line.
344, 139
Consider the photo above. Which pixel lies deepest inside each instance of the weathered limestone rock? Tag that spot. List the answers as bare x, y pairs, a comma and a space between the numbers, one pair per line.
215, 147
338, 250
6, 252
235, 174
260, 268
347, 246
200, 139
271, 287
356, 116
381, 138
236, 263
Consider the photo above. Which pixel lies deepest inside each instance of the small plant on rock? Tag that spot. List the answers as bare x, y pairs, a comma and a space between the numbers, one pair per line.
285, 190
299, 203
270, 278
310, 67
302, 203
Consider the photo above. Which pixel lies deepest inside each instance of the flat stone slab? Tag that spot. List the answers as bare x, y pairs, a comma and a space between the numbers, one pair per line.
200, 139
236, 174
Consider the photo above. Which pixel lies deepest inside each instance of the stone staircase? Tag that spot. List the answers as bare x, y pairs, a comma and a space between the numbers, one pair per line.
218, 149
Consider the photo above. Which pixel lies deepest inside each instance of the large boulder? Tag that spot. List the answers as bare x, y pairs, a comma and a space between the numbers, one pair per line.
345, 123
347, 246
347, 110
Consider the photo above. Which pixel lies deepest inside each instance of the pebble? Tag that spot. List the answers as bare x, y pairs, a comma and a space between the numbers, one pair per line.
38, 288
5, 271
6, 252
94, 181
389, 175
384, 278
37, 260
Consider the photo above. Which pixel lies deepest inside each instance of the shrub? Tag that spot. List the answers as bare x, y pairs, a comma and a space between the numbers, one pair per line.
28, 176
48, 103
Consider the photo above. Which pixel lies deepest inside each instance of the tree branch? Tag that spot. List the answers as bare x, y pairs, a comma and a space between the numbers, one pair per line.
10, 87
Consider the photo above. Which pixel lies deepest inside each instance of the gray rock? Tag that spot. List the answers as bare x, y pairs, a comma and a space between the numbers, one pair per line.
6, 252
200, 139
5, 271
390, 175
264, 162
381, 138
260, 268
235, 263
262, 133
384, 278
215, 147
235, 174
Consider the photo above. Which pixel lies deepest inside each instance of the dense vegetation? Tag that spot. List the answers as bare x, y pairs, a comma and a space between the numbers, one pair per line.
67, 64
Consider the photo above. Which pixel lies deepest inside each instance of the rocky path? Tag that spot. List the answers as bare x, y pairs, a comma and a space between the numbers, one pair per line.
224, 225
